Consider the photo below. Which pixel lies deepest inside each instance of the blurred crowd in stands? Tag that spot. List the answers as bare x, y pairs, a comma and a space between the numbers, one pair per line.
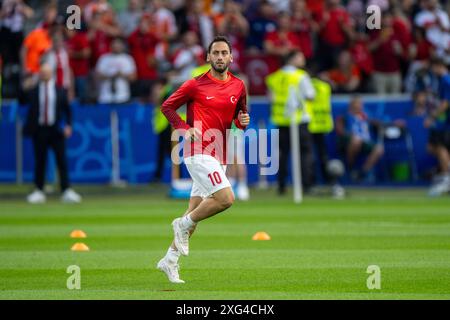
124, 46
126, 50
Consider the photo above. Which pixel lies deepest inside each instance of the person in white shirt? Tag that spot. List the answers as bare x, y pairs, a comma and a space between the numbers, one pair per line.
187, 57
436, 23
164, 20
115, 71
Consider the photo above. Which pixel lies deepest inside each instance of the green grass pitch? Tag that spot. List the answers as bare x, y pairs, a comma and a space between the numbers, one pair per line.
319, 250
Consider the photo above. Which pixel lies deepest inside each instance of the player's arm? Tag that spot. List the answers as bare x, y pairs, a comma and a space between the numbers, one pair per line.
169, 108
242, 119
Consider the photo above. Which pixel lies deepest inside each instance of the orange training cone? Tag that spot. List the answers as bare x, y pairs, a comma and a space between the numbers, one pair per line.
261, 236
78, 234
79, 246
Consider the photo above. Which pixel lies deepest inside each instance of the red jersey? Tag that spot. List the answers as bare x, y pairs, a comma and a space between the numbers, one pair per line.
79, 42
212, 106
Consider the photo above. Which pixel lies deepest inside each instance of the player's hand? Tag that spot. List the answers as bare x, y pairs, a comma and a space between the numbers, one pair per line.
244, 118
193, 134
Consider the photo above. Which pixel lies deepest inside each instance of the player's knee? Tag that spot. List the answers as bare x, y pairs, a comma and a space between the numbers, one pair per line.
226, 200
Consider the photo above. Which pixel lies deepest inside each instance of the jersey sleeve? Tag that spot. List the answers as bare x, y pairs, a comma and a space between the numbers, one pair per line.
241, 106
181, 96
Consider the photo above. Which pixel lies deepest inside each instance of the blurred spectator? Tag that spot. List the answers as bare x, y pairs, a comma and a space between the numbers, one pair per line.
115, 71
357, 11
260, 26
58, 59
438, 120
283, 40
387, 53
321, 29
197, 21
187, 58
280, 5
250, 8
79, 52
362, 57
437, 25
13, 14
419, 52
102, 29
303, 26
320, 126
402, 27
315, 7
345, 77
336, 29
165, 24
420, 49
129, 18
234, 26
142, 43
353, 131
95, 7
382, 4
36, 44
291, 93
422, 104
49, 124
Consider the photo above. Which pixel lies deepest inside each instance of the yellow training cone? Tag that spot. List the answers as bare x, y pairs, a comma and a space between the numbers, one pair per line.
78, 234
79, 246
261, 236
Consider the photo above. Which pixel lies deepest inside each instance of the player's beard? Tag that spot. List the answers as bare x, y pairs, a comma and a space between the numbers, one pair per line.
222, 68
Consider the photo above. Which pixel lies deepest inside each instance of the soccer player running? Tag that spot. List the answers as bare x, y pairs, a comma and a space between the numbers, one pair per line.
214, 101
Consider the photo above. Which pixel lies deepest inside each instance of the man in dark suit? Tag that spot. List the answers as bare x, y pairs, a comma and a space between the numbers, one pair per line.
49, 123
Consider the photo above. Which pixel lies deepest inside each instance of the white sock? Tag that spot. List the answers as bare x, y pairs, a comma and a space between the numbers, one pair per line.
186, 222
172, 255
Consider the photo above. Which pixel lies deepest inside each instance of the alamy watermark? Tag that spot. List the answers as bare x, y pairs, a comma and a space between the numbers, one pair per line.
263, 146
374, 280
74, 280
73, 21
373, 21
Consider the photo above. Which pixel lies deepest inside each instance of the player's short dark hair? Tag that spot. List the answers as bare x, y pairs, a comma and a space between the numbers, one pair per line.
219, 39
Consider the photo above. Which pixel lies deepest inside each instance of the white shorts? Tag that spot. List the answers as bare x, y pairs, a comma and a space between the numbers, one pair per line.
208, 175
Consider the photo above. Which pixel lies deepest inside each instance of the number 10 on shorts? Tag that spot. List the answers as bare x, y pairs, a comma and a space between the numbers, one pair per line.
215, 178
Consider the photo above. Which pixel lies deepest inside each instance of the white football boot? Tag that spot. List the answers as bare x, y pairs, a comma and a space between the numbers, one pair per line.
181, 237
70, 196
170, 269
37, 197
242, 192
